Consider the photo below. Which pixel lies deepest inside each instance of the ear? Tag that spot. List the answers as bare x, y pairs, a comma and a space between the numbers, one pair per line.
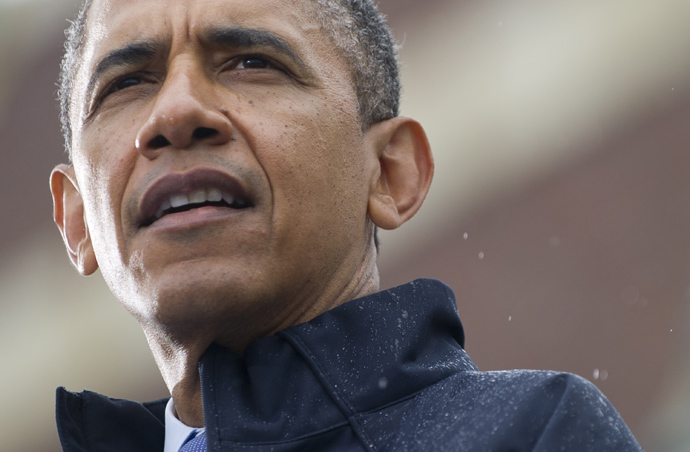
406, 168
68, 213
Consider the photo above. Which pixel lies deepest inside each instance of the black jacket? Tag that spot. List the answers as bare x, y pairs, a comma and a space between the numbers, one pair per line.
385, 372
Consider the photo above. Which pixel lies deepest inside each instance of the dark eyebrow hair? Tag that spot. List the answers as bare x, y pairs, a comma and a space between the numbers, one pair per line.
137, 53
237, 37
130, 55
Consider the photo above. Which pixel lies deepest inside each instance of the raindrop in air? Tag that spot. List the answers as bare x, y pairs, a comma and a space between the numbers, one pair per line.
600, 374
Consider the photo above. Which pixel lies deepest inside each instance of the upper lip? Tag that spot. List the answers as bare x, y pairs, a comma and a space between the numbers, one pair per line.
185, 183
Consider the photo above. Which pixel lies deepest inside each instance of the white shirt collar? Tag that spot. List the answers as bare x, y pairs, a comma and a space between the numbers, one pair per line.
176, 433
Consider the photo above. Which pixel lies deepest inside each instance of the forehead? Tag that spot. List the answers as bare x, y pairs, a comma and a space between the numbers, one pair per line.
173, 24
130, 12
114, 23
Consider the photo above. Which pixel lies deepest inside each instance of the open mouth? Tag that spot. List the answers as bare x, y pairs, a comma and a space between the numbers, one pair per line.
184, 193
208, 197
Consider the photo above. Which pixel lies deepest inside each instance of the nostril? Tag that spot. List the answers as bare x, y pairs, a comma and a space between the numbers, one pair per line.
204, 132
159, 141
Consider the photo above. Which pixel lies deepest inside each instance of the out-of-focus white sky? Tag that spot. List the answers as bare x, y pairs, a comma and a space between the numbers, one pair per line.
509, 90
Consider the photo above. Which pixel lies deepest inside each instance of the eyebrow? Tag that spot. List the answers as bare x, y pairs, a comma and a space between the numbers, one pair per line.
132, 54
137, 53
246, 38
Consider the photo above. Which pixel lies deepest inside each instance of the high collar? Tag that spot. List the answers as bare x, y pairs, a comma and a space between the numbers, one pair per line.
363, 355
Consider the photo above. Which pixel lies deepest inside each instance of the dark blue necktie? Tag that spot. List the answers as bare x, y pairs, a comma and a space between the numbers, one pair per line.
197, 444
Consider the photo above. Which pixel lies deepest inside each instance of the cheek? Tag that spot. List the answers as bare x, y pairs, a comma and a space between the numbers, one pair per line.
313, 155
104, 170
314, 152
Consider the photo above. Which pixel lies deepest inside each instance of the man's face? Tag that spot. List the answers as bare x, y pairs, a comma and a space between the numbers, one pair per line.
220, 157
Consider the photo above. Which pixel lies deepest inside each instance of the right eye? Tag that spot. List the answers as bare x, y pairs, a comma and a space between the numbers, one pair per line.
125, 82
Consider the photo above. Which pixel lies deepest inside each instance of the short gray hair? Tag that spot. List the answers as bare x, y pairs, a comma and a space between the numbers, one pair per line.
357, 28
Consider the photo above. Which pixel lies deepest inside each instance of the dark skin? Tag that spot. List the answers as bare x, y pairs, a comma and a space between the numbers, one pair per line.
247, 101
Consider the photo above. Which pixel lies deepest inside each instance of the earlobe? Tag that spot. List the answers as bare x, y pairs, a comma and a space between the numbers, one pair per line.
68, 214
406, 169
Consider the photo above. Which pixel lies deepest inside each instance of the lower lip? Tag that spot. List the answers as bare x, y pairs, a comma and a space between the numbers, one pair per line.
194, 218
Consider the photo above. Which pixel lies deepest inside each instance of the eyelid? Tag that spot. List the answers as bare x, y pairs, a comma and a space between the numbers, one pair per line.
112, 86
144, 76
235, 61
99, 95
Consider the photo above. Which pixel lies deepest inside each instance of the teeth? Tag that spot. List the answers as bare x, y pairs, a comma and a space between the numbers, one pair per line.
213, 195
165, 206
229, 199
179, 201
197, 197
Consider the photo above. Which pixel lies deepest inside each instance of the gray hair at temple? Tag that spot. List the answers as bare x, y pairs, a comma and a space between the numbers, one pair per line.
356, 27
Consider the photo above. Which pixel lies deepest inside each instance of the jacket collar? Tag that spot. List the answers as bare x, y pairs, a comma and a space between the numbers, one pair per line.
311, 378
90, 422
363, 355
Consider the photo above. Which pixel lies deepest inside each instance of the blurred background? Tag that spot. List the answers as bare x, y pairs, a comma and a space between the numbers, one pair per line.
559, 215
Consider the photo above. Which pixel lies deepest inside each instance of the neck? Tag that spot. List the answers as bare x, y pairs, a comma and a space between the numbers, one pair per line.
178, 351
178, 364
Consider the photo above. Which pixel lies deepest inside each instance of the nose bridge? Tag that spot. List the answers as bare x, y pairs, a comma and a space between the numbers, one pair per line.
182, 91
184, 111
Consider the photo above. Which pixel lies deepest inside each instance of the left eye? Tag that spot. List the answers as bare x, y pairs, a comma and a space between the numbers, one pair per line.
254, 62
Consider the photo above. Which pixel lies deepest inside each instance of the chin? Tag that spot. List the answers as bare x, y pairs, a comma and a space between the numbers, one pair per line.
193, 299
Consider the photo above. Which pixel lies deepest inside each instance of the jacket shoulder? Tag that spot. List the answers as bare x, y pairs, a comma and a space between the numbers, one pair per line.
518, 410
580, 418
547, 411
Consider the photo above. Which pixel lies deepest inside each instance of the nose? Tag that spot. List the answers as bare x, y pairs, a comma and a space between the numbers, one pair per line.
183, 116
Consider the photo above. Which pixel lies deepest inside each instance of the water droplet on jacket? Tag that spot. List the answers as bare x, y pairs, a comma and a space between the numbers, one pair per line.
383, 383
